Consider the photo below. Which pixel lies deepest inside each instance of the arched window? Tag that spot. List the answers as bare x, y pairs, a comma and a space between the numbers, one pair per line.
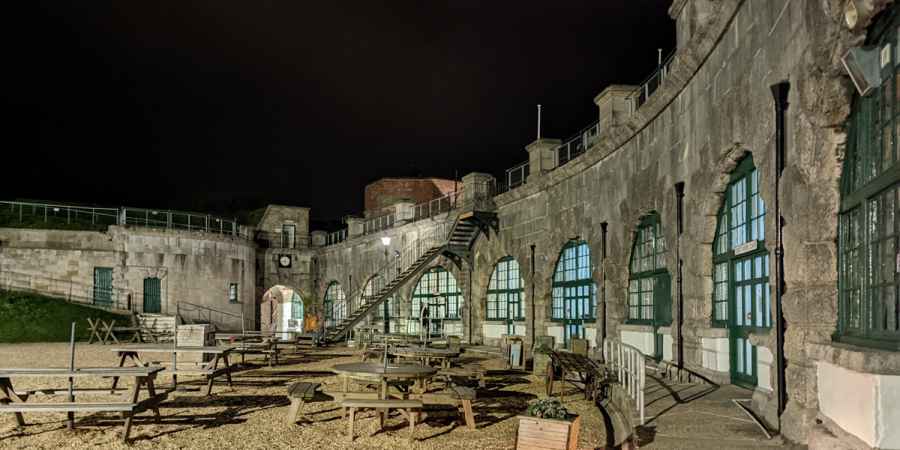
297, 307
335, 304
868, 229
741, 294
387, 310
438, 290
574, 291
504, 293
649, 294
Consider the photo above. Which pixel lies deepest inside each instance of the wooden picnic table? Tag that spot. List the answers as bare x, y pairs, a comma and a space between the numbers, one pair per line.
105, 331
426, 354
15, 401
589, 373
209, 369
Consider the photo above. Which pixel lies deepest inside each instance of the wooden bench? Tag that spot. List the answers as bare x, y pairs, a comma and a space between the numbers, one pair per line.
383, 407
476, 374
299, 393
465, 395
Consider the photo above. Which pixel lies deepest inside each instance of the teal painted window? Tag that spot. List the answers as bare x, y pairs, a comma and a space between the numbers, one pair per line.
288, 235
868, 252
103, 289
740, 258
504, 294
648, 262
296, 307
152, 295
233, 293
574, 291
437, 288
335, 304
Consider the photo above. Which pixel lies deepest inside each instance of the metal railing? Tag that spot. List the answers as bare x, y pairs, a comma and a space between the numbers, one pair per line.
72, 291
194, 313
57, 216
437, 206
280, 239
652, 83
389, 270
517, 176
336, 237
577, 144
628, 364
376, 224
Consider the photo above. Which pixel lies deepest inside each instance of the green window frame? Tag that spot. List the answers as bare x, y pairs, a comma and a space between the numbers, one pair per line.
296, 306
504, 293
152, 295
103, 286
648, 262
335, 303
438, 289
868, 229
572, 283
740, 259
233, 293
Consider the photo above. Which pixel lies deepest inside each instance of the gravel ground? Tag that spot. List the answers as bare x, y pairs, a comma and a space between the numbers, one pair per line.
252, 414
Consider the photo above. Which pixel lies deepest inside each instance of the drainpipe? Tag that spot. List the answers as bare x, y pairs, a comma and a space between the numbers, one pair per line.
471, 307
533, 310
679, 273
603, 227
780, 95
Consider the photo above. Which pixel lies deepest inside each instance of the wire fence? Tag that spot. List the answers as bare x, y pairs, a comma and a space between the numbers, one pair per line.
73, 217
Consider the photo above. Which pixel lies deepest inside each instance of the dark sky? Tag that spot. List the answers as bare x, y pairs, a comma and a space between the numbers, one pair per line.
228, 105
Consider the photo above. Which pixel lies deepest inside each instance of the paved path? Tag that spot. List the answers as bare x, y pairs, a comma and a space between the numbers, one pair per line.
699, 417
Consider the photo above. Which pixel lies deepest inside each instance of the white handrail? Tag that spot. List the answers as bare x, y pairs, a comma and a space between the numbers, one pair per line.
629, 365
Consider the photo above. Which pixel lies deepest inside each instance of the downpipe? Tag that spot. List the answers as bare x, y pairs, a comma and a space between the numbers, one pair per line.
780, 95
679, 274
602, 334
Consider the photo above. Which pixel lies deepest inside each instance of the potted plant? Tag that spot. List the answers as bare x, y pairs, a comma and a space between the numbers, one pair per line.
548, 424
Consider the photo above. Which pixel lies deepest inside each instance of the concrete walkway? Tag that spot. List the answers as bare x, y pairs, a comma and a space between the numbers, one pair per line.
699, 417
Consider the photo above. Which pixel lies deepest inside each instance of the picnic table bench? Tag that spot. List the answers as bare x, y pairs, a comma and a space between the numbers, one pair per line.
299, 393
407, 407
105, 331
210, 370
15, 402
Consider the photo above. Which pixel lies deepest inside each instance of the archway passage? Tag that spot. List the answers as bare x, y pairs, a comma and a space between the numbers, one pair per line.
741, 297
282, 312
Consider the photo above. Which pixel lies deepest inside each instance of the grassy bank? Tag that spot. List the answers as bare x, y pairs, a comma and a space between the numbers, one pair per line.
35, 318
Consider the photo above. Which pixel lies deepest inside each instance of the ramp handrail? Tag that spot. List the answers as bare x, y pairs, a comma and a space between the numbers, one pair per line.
628, 363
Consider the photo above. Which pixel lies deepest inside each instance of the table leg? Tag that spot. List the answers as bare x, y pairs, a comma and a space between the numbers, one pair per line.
212, 376
227, 369
151, 389
93, 329
135, 393
550, 380
10, 396
108, 328
122, 356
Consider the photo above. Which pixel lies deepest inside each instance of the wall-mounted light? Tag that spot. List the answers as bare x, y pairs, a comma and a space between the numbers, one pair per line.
857, 13
864, 67
386, 240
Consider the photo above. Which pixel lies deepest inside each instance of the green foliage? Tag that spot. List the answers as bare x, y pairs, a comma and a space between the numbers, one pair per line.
35, 318
548, 408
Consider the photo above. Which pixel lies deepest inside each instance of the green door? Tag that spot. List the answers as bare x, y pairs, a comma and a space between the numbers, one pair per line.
749, 312
662, 310
103, 286
152, 296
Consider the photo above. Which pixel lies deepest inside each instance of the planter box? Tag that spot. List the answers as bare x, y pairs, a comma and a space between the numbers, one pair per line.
536, 433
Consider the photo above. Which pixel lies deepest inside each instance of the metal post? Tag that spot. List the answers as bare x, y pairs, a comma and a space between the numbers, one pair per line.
603, 231
539, 122
780, 95
679, 275
70, 416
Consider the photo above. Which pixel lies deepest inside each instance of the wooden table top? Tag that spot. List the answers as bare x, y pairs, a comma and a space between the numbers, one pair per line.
64, 372
378, 369
167, 348
418, 351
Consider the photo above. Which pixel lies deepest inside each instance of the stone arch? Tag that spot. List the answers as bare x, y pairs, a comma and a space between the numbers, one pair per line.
334, 302
491, 328
275, 304
455, 326
559, 328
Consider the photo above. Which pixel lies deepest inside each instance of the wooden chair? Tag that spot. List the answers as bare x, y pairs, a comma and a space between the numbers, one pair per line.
410, 409
299, 393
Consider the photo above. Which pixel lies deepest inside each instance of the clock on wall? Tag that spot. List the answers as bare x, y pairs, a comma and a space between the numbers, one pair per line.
284, 260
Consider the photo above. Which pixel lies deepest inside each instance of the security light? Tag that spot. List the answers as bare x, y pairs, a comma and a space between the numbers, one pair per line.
862, 64
386, 240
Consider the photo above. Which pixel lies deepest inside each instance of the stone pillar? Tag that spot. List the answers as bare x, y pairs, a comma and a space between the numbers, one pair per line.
541, 156
355, 226
318, 238
477, 187
614, 105
404, 212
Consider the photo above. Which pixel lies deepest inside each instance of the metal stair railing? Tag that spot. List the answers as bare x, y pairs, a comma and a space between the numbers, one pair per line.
629, 366
206, 314
392, 273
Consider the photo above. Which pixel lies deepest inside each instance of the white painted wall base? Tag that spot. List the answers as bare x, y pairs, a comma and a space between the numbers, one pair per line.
493, 330
862, 404
667, 343
764, 361
715, 354
638, 338
591, 335
557, 333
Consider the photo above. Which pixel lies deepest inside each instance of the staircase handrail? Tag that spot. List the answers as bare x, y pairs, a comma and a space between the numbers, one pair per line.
629, 365
389, 270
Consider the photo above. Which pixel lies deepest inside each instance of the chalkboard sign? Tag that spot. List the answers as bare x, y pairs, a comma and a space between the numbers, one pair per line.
516, 359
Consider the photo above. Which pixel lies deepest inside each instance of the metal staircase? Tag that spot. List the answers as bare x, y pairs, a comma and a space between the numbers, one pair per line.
476, 215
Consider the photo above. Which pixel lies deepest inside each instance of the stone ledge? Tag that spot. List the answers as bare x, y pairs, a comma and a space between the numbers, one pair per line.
859, 359
712, 332
636, 327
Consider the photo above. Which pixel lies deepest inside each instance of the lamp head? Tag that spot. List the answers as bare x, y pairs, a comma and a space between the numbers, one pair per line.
386, 240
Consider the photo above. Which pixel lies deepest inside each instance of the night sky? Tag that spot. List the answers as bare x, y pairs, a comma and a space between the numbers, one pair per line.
225, 106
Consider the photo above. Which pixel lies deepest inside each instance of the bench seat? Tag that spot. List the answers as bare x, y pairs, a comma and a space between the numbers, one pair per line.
299, 393
383, 407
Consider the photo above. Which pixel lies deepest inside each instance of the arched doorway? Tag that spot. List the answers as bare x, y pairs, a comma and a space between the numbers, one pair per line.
283, 312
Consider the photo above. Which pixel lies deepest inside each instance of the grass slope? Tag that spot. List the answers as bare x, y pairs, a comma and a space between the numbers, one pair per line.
35, 318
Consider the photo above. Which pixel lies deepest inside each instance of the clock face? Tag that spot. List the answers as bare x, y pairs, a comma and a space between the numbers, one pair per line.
284, 260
